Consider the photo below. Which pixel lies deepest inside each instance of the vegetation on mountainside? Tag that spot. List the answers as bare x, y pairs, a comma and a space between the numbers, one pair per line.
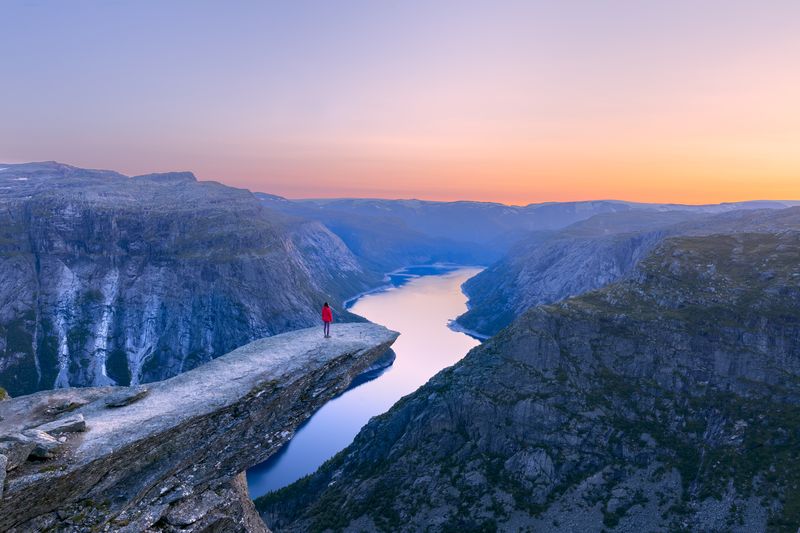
656, 402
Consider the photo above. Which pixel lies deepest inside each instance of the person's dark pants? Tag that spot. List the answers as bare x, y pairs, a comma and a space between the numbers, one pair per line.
326, 327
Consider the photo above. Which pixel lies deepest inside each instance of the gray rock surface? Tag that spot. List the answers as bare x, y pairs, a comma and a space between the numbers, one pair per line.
68, 424
172, 460
45, 445
668, 401
106, 279
126, 396
16, 447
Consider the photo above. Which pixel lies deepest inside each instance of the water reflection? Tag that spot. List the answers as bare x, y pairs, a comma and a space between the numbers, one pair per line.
419, 305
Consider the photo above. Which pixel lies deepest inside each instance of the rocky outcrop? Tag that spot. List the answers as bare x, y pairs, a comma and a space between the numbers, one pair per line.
668, 401
171, 458
106, 279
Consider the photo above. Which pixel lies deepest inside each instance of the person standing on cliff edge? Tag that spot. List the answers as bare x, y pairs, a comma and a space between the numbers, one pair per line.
327, 318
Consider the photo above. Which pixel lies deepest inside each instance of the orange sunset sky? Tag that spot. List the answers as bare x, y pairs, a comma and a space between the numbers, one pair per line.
511, 101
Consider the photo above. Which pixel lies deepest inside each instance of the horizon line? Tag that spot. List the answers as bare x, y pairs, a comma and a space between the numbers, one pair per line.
413, 199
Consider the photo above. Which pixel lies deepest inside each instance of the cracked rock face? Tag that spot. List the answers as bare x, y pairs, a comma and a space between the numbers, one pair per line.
16, 448
67, 424
45, 445
171, 459
111, 280
668, 401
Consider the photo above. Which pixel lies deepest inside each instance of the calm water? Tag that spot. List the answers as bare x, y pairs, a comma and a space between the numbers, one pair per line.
419, 306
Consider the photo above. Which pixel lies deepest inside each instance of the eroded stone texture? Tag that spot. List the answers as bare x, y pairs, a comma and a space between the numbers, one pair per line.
68, 424
172, 460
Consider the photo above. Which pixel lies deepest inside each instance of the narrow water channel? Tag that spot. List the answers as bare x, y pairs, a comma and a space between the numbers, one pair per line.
419, 304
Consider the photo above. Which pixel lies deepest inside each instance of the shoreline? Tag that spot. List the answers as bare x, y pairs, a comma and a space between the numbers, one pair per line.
387, 279
455, 326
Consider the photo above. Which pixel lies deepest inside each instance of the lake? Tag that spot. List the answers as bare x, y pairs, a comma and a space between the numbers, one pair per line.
419, 304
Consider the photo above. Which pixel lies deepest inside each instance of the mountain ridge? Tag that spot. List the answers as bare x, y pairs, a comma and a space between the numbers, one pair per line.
107, 279
549, 266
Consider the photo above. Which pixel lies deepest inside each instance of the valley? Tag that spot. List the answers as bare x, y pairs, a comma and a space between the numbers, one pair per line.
399, 267
419, 305
665, 401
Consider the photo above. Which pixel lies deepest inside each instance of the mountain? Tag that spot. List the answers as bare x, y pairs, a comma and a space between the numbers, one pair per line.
393, 233
390, 234
475, 222
667, 401
382, 241
485, 222
549, 266
106, 279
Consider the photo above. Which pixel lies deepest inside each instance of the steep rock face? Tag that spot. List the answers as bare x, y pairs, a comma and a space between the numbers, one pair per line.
382, 240
106, 279
549, 266
168, 456
668, 401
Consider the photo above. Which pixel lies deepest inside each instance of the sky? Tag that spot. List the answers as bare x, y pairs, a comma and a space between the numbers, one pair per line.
513, 101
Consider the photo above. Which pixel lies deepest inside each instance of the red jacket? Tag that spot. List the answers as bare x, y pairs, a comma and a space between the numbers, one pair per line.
327, 315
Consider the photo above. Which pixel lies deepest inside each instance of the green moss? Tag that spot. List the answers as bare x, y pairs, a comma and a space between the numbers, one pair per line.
51, 468
769, 446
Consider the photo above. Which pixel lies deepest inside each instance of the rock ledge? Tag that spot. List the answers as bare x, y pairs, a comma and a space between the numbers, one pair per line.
173, 459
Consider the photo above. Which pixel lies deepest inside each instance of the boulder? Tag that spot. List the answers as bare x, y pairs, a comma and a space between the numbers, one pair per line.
68, 424
16, 448
44, 445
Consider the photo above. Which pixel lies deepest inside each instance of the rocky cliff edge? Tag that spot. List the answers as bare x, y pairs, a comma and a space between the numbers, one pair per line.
170, 455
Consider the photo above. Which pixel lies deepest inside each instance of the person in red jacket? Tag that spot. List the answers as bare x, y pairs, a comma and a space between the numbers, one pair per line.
327, 318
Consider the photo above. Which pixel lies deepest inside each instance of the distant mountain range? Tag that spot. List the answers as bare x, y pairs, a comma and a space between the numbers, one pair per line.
394, 233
